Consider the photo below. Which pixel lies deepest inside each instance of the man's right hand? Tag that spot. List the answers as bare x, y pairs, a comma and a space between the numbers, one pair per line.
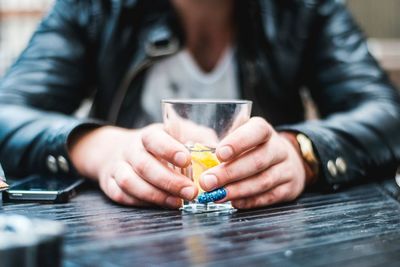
132, 165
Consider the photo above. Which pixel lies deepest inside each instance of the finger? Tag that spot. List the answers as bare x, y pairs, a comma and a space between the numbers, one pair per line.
248, 164
116, 194
133, 185
257, 184
162, 145
112, 190
161, 176
253, 133
282, 193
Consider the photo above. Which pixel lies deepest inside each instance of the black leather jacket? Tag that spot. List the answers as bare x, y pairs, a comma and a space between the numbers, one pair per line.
102, 49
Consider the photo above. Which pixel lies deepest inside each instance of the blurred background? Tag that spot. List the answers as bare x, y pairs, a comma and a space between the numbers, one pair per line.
18, 19
379, 19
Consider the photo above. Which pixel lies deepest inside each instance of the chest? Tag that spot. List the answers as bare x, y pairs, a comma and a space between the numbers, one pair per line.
180, 77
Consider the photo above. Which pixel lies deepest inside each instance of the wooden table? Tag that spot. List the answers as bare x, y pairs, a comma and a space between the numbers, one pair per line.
356, 227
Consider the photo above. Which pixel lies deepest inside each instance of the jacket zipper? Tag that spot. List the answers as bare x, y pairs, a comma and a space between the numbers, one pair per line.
123, 89
155, 55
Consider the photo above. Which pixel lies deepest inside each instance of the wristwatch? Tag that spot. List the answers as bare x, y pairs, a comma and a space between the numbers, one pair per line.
307, 152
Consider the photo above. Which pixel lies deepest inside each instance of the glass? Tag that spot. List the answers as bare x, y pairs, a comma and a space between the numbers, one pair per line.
200, 125
30, 242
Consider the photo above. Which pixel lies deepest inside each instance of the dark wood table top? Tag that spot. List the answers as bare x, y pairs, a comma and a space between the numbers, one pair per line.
356, 227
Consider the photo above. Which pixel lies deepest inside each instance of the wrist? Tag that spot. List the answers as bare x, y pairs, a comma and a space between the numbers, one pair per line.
310, 166
89, 148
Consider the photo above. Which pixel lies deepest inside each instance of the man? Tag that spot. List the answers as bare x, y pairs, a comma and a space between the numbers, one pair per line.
130, 54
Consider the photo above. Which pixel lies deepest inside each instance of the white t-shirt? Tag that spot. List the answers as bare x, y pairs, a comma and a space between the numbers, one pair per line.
179, 77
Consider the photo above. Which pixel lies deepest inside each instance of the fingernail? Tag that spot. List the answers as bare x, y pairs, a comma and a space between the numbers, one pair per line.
212, 196
210, 181
188, 193
225, 152
180, 159
173, 202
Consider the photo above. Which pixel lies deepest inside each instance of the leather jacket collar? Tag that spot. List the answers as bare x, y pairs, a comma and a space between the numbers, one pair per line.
163, 37
159, 41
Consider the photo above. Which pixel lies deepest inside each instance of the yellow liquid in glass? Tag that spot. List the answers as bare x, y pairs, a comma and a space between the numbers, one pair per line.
203, 158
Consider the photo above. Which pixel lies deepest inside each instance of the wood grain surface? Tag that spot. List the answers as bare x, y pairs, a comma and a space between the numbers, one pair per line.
356, 227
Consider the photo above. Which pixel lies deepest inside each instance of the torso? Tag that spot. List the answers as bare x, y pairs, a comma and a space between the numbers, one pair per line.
180, 77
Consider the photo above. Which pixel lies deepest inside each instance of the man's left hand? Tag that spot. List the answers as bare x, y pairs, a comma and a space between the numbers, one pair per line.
260, 167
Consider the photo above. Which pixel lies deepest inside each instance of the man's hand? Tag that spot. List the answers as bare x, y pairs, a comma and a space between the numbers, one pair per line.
131, 165
259, 167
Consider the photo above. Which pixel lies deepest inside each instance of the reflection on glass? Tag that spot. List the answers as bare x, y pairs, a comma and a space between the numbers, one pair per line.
201, 125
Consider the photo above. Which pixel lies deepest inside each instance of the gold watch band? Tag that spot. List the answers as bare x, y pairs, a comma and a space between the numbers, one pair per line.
307, 152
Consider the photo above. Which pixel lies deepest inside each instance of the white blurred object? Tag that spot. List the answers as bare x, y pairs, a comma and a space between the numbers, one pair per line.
397, 178
3, 185
2, 176
387, 51
26, 242
24, 5
18, 20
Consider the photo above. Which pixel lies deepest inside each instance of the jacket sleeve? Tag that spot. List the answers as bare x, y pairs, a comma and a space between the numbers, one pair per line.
42, 89
357, 137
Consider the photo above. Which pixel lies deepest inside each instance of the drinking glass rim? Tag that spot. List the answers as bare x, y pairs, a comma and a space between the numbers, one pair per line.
205, 101
208, 149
